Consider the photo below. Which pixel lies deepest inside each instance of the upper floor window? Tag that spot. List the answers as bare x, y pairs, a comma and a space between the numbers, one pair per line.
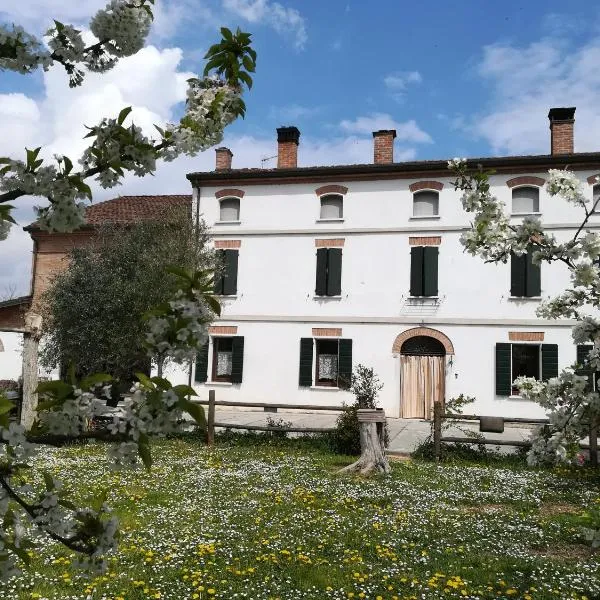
526, 200
225, 283
332, 206
229, 209
525, 280
329, 272
424, 271
426, 204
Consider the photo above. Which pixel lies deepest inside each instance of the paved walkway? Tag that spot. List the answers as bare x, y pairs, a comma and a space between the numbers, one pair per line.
405, 434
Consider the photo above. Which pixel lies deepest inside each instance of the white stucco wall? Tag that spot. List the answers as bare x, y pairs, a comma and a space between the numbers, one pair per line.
275, 305
10, 359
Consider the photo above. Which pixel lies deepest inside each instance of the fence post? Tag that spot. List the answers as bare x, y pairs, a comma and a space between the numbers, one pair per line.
437, 430
594, 445
210, 434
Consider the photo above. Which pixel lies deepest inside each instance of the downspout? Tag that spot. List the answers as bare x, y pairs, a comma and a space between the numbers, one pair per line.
196, 199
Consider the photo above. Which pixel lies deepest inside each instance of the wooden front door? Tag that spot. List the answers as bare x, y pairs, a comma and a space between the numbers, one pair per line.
422, 380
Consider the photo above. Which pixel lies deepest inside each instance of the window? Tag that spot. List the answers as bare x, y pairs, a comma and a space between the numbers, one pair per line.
528, 360
426, 204
325, 362
226, 279
227, 360
332, 207
229, 209
525, 278
424, 271
525, 200
329, 272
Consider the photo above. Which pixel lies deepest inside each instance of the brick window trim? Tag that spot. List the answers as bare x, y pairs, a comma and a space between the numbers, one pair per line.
525, 180
593, 179
326, 332
426, 331
334, 243
227, 244
223, 330
426, 185
331, 189
425, 241
526, 336
229, 193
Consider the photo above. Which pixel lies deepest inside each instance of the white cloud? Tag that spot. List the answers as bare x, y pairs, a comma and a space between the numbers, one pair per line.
408, 131
286, 21
400, 80
293, 112
525, 81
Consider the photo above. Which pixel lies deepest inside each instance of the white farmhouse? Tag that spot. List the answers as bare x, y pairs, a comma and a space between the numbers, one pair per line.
328, 267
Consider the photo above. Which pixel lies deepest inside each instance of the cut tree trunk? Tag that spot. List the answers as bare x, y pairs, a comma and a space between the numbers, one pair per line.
372, 444
31, 339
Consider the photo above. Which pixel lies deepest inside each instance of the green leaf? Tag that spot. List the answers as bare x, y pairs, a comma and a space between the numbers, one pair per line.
226, 33
6, 405
161, 383
214, 304
68, 165
48, 404
246, 79
32, 156
184, 390
145, 381
95, 379
180, 272
196, 411
123, 114
58, 389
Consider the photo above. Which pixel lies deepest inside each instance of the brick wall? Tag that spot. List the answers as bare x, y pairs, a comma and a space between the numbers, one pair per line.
383, 146
561, 137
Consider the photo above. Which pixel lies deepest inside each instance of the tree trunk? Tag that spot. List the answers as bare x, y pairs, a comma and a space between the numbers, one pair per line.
30, 379
372, 444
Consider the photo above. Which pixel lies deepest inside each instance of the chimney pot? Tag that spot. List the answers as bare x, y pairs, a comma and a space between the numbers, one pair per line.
562, 121
383, 146
288, 139
223, 159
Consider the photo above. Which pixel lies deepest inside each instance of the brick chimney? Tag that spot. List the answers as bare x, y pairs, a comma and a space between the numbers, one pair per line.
383, 146
224, 156
562, 121
288, 139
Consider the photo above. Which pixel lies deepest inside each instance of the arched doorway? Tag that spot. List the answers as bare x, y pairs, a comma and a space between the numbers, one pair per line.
422, 371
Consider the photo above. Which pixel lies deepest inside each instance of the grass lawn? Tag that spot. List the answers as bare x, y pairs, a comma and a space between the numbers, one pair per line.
277, 522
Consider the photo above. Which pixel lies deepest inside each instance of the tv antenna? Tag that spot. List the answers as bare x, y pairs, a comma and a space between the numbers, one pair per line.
265, 159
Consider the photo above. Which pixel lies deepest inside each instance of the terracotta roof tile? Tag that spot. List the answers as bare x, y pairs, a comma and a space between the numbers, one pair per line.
131, 209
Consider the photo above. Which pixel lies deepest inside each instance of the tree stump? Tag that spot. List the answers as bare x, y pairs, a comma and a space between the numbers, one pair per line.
372, 444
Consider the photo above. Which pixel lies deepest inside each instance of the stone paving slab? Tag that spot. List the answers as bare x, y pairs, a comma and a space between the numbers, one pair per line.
404, 434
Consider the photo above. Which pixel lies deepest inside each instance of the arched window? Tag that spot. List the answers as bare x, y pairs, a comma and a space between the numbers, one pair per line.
423, 345
332, 206
426, 203
525, 200
230, 209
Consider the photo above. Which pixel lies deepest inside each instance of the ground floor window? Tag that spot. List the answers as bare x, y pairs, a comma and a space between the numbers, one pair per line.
327, 363
222, 358
525, 362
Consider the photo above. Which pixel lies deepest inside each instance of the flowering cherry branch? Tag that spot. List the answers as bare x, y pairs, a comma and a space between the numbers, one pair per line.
573, 408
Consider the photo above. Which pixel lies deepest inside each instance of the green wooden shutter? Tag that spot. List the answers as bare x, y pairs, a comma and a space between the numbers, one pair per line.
533, 277
517, 274
430, 271
344, 363
503, 372
334, 272
237, 358
231, 272
306, 361
321, 285
219, 277
202, 364
416, 271
549, 361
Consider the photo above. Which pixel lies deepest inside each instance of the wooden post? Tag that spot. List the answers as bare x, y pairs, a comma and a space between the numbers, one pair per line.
372, 444
437, 430
594, 445
210, 422
31, 338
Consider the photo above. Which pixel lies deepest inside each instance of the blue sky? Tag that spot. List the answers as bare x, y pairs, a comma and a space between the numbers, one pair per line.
469, 78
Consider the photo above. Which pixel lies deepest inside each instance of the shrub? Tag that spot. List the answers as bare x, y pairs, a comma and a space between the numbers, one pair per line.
365, 386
